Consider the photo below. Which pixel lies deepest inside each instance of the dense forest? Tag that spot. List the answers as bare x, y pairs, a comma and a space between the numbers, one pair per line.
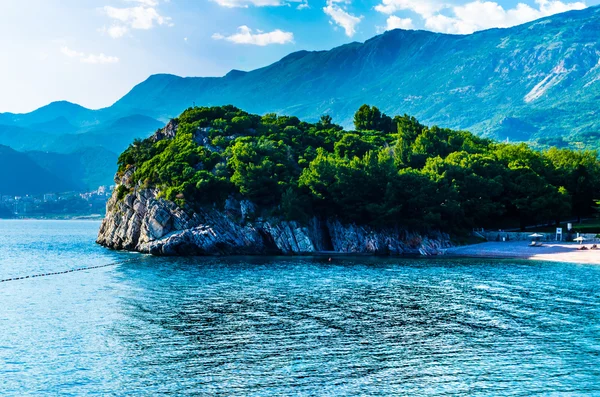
388, 171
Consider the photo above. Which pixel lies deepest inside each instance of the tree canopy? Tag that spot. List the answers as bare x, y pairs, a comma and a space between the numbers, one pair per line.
388, 171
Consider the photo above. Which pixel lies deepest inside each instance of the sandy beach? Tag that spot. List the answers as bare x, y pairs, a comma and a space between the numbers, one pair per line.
556, 252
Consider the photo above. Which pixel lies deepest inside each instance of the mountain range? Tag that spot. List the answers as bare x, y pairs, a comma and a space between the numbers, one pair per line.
535, 82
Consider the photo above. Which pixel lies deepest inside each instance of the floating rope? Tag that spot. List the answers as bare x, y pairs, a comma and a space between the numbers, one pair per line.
79, 269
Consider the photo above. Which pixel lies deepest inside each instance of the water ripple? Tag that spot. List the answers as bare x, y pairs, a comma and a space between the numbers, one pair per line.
289, 326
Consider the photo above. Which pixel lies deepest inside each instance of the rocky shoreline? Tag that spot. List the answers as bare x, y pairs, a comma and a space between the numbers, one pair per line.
144, 222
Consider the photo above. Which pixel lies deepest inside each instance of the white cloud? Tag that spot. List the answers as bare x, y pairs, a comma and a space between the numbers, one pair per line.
261, 3
394, 22
144, 16
88, 58
476, 15
137, 17
422, 7
149, 3
479, 15
246, 3
245, 36
116, 31
71, 53
342, 18
100, 58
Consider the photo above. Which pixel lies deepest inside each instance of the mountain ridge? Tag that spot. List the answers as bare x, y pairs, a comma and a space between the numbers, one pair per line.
25, 176
537, 82
451, 80
379, 71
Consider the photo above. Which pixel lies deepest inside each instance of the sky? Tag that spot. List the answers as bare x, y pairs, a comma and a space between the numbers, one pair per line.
92, 52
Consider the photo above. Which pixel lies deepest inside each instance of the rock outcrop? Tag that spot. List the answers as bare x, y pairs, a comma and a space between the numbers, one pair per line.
144, 222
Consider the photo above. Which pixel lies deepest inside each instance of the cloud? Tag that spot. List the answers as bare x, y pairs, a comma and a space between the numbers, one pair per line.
88, 58
116, 31
246, 3
137, 17
394, 22
245, 36
149, 3
261, 3
422, 7
342, 18
476, 15
144, 16
71, 53
100, 58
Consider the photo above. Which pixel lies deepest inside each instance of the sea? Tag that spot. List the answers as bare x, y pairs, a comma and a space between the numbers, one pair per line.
127, 324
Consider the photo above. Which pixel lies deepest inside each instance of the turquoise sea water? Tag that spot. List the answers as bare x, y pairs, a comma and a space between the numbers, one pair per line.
288, 326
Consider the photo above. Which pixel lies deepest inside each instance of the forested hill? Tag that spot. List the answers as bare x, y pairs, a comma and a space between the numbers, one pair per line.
538, 80
388, 171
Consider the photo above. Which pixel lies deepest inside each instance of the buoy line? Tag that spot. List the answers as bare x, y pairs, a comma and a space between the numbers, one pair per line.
79, 269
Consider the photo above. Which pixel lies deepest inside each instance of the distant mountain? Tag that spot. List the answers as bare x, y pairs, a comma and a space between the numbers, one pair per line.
46, 172
21, 175
84, 169
537, 81
59, 125
85, 158
113, 136
75, 114
57, 136
534, 80
20, 138
540, 79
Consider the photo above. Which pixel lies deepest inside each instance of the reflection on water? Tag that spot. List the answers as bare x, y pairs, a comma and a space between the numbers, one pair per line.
289, 326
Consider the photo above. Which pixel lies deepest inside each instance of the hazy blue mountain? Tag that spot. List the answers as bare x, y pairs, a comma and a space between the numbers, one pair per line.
21, 175
39, 172
75, 114
85, 158
20, 138
85, 169
82, 159
114, 136
59, 125
56, 135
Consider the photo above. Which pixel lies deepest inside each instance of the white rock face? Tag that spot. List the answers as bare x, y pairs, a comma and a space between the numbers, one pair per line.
144, 223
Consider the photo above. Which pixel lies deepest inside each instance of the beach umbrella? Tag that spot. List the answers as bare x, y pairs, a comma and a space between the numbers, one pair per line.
580, 239
536, 235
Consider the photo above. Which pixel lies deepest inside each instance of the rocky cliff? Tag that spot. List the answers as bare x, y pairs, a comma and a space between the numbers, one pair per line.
140, 220
143, 222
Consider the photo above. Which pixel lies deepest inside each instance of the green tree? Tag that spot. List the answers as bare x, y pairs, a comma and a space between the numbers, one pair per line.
371, 118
